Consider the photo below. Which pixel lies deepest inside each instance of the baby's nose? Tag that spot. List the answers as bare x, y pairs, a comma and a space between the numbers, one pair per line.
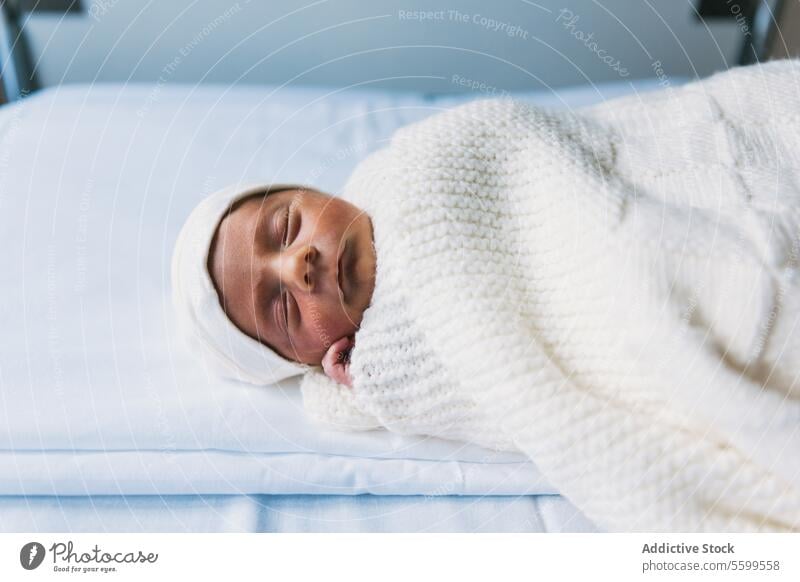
300, 272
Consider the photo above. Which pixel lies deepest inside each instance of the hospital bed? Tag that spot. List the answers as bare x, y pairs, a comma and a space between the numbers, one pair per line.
106, 423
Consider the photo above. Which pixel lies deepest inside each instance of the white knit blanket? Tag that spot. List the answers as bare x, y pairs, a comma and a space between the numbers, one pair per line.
613, 291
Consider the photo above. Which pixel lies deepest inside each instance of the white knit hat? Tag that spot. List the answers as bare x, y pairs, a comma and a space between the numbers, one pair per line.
206, 328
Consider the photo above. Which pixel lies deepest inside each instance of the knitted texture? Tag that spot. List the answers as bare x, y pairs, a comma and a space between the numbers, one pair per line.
611, 291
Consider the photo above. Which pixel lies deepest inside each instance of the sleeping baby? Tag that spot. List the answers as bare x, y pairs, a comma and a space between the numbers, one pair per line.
274, 280
519, 278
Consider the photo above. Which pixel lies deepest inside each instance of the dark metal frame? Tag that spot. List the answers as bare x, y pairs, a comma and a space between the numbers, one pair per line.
761, 18
764, 24
16, 70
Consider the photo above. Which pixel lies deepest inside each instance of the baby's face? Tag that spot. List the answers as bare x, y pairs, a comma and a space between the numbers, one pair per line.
295, 270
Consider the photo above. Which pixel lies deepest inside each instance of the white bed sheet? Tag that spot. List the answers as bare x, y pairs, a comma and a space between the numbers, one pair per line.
292, 513
96, 395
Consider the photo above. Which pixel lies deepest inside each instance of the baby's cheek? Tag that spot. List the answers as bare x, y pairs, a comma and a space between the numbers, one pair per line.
324, 323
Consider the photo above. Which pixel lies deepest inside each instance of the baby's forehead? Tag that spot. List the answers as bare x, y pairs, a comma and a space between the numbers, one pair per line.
230, 249
240, 219
246, 206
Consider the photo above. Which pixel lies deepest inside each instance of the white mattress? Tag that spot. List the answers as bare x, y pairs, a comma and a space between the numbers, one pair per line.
96, 395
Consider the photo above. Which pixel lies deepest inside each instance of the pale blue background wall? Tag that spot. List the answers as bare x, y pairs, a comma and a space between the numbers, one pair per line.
342, 42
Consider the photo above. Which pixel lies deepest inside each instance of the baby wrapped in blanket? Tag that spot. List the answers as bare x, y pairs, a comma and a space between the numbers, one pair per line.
612, 291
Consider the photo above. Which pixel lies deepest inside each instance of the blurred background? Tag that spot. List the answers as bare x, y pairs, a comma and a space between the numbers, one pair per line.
413, 44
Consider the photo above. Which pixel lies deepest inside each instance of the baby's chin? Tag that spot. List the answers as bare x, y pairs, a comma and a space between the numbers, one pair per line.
324, 337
